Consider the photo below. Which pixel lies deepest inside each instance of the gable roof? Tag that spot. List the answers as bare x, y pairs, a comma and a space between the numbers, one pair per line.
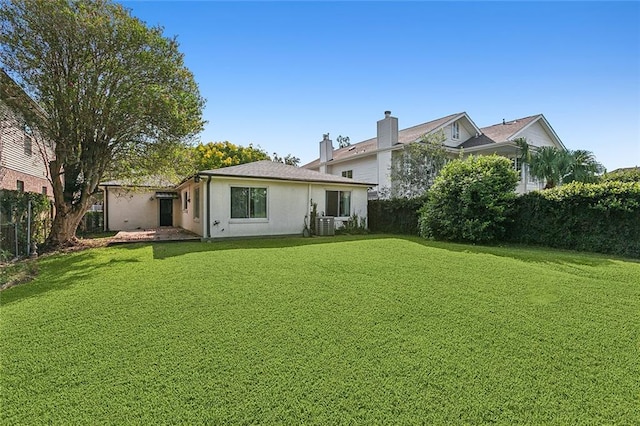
503, 132
405, 136
267, 169
474, 141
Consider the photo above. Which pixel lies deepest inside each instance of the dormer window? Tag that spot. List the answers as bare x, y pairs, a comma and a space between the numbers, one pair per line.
455, 131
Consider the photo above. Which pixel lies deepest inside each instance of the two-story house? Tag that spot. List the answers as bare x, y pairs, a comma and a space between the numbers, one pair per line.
370, 160
22, 151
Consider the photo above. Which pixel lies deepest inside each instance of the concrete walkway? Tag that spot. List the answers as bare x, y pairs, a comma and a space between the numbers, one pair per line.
155, 234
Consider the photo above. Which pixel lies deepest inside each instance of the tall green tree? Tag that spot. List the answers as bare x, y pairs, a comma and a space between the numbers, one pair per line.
215, 155
113, 90
413, 169
556, 166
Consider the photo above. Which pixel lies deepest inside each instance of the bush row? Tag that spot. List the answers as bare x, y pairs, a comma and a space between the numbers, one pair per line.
395, 216
602, 218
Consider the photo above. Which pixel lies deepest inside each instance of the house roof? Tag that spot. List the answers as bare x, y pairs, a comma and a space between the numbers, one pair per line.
146, 182
474, 141
408, 135
503, 132
267, 169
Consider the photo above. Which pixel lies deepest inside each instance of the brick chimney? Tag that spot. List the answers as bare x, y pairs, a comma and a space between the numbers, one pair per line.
387, 131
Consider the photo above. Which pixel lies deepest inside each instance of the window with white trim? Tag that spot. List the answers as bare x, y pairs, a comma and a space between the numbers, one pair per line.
517, 166
455, 130
338, 203
196, 203
348, 174
248, 203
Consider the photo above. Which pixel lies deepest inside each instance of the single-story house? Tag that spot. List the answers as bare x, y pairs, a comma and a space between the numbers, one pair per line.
254, 199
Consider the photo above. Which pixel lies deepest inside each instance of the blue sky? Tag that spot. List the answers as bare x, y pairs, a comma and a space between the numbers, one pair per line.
280, 74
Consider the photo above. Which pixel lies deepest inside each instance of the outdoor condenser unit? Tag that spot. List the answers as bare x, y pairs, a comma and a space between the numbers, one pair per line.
325, 226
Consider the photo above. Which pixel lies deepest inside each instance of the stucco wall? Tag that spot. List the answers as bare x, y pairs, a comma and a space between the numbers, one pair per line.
185, 218
128, 209
287, 205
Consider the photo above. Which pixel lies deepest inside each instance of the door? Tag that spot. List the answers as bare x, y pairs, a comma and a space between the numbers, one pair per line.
166, 212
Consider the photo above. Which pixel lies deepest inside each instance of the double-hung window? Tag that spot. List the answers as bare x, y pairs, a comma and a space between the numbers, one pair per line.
455, 131
248, 203
348, 174
338, 203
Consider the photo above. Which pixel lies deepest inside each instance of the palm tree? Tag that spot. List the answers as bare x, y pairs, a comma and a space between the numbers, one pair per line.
525, 157
557, 166
584, 168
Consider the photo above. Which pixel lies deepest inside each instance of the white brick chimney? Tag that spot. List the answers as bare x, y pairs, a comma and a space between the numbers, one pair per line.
387, 131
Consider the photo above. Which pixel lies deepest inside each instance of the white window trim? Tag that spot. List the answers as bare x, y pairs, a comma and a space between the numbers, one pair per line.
455, 130
249, 219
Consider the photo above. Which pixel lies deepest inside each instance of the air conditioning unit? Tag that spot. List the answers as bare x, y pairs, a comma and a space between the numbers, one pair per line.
325, 226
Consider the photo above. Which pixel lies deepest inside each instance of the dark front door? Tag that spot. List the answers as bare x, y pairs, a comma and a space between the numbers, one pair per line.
166, 212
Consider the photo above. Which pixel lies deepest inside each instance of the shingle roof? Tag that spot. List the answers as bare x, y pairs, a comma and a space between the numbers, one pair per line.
405, 136
477, 141
145, 182
502, 132
266, 169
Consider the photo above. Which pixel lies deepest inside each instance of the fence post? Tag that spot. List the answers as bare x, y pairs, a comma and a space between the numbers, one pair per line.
29, 228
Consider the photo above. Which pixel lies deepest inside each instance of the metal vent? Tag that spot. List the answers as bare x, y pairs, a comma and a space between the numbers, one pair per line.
325, 226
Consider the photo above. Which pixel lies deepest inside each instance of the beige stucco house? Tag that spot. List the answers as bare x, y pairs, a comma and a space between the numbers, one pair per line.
255, 199
370, 160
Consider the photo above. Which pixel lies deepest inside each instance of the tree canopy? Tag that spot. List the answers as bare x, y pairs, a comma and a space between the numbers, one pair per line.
116, 95
215, 155
413, 169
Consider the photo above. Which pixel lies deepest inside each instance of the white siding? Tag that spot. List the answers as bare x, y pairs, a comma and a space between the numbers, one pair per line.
12, 145
536, 135
132, 209
464, 132
364, 169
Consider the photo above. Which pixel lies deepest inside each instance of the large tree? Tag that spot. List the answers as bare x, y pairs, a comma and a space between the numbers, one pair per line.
215, 155
116, 95
414, 168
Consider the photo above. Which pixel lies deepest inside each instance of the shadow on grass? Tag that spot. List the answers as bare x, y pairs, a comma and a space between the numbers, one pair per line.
59, 272
176, 248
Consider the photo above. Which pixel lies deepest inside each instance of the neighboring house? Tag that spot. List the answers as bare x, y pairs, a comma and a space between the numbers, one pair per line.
254, 199
22, 166
370, 160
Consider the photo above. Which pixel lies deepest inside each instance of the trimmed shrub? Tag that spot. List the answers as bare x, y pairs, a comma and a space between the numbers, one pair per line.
471, 200
602, 217
623, 175
395, 216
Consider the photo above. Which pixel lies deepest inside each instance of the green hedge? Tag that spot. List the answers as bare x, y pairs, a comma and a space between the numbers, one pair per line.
395, 216
602, 218
14, 208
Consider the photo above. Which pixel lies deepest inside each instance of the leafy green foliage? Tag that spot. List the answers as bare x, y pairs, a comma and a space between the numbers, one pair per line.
471, 200
602, 217
623, 175
556, 166
289, 159
395, 216
215, 155
414, 169
14, 209
432, 333
111, 92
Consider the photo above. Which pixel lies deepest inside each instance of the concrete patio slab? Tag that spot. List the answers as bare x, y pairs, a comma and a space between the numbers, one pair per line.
154, 234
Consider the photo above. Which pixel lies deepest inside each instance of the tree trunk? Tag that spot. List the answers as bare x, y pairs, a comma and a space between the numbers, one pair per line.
65, 224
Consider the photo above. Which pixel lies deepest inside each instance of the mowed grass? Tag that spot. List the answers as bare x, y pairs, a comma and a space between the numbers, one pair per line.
368, 330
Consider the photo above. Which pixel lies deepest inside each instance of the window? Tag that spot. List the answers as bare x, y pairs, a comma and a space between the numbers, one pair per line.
455, 131
185, 200
196, 203
20, 185
44, 190
248, 203
338, 203
532, 178
28, 140
348, 174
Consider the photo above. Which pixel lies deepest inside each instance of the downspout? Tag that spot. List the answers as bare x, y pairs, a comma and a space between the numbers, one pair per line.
105, 207
208, 234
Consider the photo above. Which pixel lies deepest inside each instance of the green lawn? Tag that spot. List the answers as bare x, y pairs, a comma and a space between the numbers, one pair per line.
365, 330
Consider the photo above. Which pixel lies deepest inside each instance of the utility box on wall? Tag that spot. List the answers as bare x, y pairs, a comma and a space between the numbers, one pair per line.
325, 226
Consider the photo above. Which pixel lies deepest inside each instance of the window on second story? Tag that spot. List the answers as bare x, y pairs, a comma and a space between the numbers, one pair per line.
20, 185
348, 174
455, 131
28, 140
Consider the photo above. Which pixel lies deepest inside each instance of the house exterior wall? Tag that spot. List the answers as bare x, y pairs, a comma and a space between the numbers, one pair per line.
15, 163
364, 169
464, 133
188, 218
536, 135
287, 205
127, 210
